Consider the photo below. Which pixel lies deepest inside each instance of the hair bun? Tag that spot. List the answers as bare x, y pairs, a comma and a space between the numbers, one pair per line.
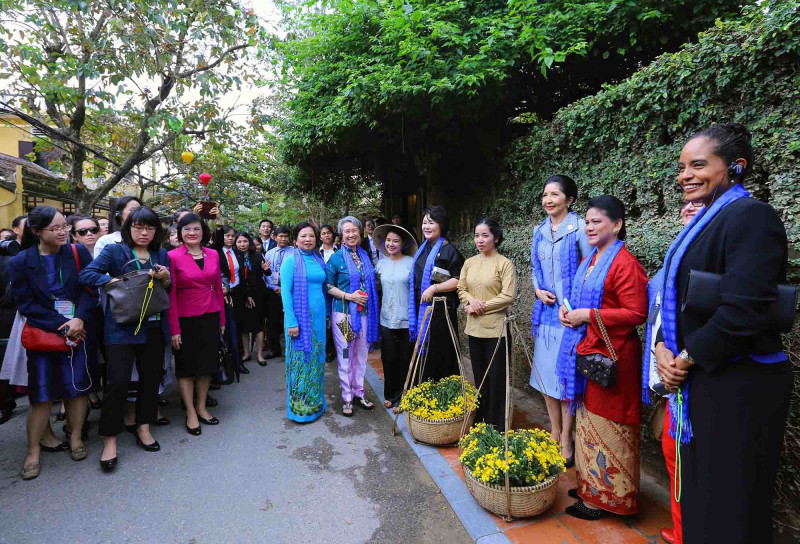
739, 130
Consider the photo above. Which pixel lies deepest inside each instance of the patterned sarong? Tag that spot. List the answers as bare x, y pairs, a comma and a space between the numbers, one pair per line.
607, 463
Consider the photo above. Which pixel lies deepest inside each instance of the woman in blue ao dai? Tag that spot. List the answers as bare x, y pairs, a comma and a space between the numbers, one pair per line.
559, 244
305, 308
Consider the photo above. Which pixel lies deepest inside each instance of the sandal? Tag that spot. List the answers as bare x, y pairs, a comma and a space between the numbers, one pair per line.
581, 511
363, 403
347, 409
388, 404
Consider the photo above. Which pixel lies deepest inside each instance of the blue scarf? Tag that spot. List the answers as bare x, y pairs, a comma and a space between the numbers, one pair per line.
372, 293
300, 299
669, 312
415, 314
584, 294
544, 314
653, 289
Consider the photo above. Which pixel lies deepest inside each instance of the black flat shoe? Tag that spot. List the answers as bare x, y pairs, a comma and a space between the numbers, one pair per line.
244, 360
54, 449
163, 402
263, 363
243, 370
109, 465
272, 355
581, 511
570, 462
211, 401
196, 431
160, 422
155, 446
61, 416
212, 421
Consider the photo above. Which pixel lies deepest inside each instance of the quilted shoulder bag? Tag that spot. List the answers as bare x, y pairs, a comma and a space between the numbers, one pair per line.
597, 367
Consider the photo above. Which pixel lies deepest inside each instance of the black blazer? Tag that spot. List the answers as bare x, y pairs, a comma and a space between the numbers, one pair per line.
746, 244
223, 262
253, 283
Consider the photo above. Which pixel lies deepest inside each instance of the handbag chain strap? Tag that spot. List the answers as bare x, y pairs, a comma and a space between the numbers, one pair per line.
604, 332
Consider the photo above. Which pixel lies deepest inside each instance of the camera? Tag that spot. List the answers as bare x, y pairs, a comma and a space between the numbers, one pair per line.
9, 248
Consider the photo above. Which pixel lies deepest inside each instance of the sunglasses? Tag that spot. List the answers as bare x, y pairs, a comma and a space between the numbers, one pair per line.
84, 232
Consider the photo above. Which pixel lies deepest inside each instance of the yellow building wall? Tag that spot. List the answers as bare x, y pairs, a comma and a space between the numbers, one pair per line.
13, 131
10, 204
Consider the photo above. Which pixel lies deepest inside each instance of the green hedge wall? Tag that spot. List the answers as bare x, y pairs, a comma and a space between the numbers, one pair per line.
626, 139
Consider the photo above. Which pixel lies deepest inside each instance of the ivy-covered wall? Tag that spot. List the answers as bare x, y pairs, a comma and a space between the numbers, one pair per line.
626, 139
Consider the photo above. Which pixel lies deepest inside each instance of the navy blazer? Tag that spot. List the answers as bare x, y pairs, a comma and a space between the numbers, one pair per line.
32, 294
108, 265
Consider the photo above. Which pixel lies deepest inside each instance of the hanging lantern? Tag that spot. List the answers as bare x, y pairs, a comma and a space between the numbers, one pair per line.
187, 157
204, 178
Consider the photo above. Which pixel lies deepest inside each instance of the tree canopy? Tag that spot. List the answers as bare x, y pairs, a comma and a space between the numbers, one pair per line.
419, 88
117, 82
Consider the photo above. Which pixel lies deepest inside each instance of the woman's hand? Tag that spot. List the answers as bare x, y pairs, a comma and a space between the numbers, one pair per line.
215, 213
361, 300
76, 330
228, 298
197, 208
265, 265
579, 317
668, 370
428, 294
160, 273
562, 316
545, 296
176, 341
293, 332
113, 280
476, 306
250, 302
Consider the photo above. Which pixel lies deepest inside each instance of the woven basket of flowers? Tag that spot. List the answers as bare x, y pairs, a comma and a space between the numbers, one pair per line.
534, 464
435, 411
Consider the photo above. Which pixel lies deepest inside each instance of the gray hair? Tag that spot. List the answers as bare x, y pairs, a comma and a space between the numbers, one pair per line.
347, 219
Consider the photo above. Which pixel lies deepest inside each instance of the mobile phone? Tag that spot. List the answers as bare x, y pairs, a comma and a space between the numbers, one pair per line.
567, 304
64, 332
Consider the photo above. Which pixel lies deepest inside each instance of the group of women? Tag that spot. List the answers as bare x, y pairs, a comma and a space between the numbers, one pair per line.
591, 295
723, 368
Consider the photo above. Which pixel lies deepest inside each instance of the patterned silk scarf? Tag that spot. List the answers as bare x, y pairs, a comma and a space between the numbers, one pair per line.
584, 294
669, 312
372, 292
548, 314
415, 314
300, 299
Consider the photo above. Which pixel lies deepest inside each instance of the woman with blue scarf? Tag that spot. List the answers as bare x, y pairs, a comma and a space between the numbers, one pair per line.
305, 309
559, 245
609, 292
436, 271
354, 316
734, 377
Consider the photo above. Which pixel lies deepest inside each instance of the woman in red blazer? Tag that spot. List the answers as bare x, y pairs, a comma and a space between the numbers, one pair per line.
196, 317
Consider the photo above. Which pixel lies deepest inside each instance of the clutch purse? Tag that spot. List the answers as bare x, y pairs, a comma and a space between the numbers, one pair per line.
702, 296
440, 275
36, 339
597, 367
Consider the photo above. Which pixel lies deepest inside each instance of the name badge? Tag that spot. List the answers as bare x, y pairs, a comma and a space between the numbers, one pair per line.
654, 311
65, 308
155, 317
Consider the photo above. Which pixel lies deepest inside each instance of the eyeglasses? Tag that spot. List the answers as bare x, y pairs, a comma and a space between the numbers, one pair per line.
145, 228
696, 204
84, 232
57, 228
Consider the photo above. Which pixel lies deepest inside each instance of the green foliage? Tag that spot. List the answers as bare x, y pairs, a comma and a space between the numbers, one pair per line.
386, 81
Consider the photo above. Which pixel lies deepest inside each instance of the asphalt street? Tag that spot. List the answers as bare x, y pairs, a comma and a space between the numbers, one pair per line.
255, 478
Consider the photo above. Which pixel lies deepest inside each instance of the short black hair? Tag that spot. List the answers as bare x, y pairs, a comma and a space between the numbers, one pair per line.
494, 228
75, 218
143, 216
567, 184
17, 220
219, 235
38, 218
190, 218
177, 213
612, 207
252, 247
271, 224
302, 225
14, 234
327, 226
282, 229
115, 218
731, 141
439, 215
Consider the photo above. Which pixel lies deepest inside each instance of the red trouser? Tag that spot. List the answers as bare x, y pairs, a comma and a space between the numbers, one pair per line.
668, 447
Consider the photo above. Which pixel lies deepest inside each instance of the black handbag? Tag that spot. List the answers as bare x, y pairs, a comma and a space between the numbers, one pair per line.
227, 370
136, 297
597, 367
702, 296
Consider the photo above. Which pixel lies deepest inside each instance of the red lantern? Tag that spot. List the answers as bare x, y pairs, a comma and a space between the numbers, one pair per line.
205, 177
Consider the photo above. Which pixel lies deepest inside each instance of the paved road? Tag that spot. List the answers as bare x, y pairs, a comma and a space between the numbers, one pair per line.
256, 478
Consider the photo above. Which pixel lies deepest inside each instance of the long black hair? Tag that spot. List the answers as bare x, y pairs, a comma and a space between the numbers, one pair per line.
246, 235
613, 208
38, 218
115, 217
143, 216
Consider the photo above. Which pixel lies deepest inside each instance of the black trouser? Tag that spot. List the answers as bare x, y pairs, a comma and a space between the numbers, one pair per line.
492, 403
149, 359
274, 320
396, 356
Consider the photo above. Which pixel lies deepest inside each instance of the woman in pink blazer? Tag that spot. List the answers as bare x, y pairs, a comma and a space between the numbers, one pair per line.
196, 317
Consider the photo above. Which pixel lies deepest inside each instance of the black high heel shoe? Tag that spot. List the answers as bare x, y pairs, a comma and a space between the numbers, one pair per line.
197, 431
243, 369
161, 421
155, 446
109, 464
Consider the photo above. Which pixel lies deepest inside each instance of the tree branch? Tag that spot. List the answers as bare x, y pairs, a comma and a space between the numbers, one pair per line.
222, 57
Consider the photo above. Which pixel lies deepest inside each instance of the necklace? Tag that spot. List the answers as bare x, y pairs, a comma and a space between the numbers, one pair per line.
196, 254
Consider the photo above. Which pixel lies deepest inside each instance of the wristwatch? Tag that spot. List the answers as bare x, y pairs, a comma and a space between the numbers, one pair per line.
686, 357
